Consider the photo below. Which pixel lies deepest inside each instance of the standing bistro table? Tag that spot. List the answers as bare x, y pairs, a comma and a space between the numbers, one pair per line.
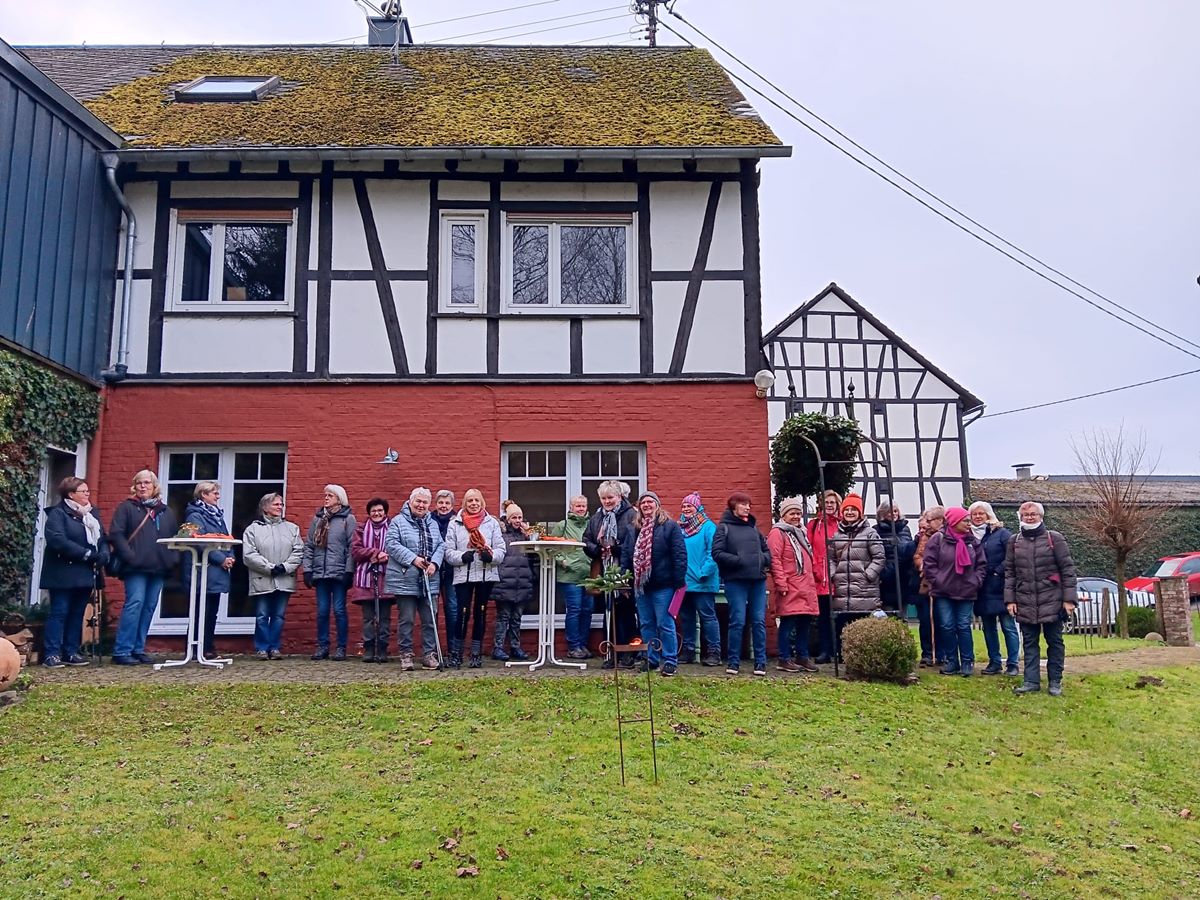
546, 552
199, 548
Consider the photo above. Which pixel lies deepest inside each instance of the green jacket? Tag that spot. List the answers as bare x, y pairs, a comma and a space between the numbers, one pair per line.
573, 567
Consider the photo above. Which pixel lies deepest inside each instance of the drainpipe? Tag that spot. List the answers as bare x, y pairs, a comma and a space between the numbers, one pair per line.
118, 371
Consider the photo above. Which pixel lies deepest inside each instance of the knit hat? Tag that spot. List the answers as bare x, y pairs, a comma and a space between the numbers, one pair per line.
790, 503
853, 500
693, 499
653, 496
338, 491
513, 510
954, 515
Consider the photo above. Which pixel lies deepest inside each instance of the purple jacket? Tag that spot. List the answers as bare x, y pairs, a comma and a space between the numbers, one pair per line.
944, 582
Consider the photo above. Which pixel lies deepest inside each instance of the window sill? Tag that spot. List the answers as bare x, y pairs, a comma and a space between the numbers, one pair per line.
239, 312
553, 312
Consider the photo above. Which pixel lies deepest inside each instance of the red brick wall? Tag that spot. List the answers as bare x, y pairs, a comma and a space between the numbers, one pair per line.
706, 437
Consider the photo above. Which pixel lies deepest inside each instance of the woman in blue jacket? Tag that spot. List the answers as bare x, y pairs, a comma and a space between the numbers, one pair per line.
703, 582
989, 605
659, 570
74, 560
205, 513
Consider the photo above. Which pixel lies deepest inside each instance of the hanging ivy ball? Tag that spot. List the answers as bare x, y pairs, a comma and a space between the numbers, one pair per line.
794, 468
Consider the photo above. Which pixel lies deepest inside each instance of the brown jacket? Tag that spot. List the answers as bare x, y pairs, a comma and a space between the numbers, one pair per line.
1039, 575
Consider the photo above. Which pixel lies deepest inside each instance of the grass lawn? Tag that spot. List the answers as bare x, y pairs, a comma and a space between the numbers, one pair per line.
1077, 645
823, 788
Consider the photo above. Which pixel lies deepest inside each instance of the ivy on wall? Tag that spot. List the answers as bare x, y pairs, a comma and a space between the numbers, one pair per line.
38, 407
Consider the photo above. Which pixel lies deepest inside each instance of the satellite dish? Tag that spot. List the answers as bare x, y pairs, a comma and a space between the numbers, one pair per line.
390, 458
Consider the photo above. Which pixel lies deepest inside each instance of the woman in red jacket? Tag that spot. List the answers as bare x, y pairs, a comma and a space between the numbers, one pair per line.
820, 529
794, 587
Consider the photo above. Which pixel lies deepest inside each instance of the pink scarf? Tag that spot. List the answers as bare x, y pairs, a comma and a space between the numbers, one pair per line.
962, 553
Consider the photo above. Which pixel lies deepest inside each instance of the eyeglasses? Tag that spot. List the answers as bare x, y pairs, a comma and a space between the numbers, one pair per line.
81, 491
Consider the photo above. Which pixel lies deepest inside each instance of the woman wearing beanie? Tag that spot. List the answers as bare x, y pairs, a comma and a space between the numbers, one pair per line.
329, 567
794, 588
271, 552
744, 559
474, 550
954, 567
993, 537
703, 582
570, 571
659, 570
820, 529
856, 551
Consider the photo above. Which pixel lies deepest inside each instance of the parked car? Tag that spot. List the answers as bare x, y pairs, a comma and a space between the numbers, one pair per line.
1089, 611
1180, 564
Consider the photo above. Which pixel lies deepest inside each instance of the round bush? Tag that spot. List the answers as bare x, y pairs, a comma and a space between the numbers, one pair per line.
879, 649
1142, 621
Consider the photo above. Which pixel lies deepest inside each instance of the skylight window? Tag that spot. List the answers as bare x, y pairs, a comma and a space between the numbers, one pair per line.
227, 88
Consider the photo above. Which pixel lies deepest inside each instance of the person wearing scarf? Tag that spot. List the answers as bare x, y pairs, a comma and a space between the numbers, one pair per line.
443, 514
205, 513
137, 524
954, 566
513, 591
329, 567
415, 552
608, 541
793, 586
858, 560
370, 561
76, 551
993, 537
703, 582
271, 552
475, 549
570, 570
821, 527
659, 570
744, 560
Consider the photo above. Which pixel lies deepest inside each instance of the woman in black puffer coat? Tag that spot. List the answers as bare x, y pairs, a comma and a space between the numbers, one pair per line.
743, 559
73, 564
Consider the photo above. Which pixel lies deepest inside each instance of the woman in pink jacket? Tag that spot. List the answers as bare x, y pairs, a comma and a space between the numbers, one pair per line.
821, 527
794, 586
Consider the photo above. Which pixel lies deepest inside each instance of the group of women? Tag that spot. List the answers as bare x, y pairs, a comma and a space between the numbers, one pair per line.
823, 573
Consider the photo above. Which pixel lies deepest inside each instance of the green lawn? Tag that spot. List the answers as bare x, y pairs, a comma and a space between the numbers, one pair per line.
822, 788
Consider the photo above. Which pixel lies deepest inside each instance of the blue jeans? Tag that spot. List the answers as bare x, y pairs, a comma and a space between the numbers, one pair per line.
654, 612
699, 604
331, 591
142, 591
578, 624
1012, 638
954, 631
64, 627
751, 597
793, 636
268, 619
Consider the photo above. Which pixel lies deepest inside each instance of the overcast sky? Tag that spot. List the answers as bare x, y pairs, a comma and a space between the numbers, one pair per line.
1070, 128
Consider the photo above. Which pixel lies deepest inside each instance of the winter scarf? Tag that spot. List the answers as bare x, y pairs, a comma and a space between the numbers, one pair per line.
84, 511
980, 531
692, 524
608, 534
424, 537
443, 520
321, 537
643, 553
372, 539
475, 539
799, 541
962, 553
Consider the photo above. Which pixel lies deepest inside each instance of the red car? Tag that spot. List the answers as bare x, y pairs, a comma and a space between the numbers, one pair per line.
1181, 564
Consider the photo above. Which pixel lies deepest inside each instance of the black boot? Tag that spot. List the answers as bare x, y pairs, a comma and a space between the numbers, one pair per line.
476, 659
454, 660
368, 651
322, 652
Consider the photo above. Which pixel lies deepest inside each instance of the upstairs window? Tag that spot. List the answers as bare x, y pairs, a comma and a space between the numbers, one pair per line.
463, 270
233, 259
569, 264
227, 88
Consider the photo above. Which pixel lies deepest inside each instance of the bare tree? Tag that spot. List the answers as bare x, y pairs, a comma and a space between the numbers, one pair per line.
1118, 511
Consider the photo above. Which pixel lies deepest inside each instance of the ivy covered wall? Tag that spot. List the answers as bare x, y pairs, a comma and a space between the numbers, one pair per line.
38, 408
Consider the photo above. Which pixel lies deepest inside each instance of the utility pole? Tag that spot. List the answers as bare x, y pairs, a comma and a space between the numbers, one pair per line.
649, 9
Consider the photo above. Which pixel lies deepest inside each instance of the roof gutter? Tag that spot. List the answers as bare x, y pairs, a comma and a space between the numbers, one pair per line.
121, 369
411, 154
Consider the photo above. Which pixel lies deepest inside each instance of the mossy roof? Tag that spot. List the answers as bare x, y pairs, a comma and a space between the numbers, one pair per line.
433, 96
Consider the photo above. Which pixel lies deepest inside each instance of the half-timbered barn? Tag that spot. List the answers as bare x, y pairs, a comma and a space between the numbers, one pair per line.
832, 355
526, 269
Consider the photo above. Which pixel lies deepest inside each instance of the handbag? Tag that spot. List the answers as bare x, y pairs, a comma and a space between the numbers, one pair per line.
115, 566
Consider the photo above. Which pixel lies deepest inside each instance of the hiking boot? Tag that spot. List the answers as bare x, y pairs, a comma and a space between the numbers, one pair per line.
53, 662
712, 660
967, 671
949, 670
1026, 687
144, 658
687, 656
455, 660
262, 654
499, 655
787, 665
668, 670
406, 662
116, 661
322, 653
475, 661
518, 653
368, 654
430, 661
339, 655
926, 662
1055, 688
1011, 669
807, 665
993, 668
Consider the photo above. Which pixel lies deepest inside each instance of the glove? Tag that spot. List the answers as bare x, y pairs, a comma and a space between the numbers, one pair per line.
102, 558
348, 579
485, 556
467, 556
278, 569
88, 554
308, 579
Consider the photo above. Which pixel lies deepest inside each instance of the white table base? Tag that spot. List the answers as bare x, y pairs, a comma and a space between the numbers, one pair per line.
546, 585
197, 609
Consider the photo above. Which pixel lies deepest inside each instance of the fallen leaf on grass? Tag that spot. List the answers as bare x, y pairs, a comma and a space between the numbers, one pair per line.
292, 825
501, 853
449, 844
1129, 847
467, 871
1017, 827
741, 732
856, 777
1185, 813
425, 743
416, 864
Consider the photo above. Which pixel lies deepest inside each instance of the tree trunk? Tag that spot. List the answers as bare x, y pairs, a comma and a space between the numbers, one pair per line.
1122, 598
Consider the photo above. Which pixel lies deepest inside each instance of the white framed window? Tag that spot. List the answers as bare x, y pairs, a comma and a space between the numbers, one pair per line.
232, 260
542, 479
463, 272
569, 264
226, 88
245, 473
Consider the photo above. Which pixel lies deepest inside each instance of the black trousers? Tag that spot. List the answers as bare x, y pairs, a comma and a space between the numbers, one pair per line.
472, 605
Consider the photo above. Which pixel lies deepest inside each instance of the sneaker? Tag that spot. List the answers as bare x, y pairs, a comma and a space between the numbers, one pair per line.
406, 662
76, 660
124, 661
274, 654
806, 665
1055, 688
731, 670
1027, 688
518, 653
949, 670
608, 663
760, 668
627, 660
1011, 669
322, 653
455, 660
262, 654
430, 661
823, 660
967, 671
53, 662
787, 665
712, 660
647, 666
577, 653
687, 656
668, 670
144, 658
926, 662
993, 668
381, 657
499, 655
339, 655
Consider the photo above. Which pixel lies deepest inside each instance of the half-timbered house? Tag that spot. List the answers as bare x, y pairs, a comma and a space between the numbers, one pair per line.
525, 269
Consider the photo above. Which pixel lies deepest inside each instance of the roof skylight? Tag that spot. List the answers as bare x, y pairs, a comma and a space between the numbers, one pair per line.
227, 88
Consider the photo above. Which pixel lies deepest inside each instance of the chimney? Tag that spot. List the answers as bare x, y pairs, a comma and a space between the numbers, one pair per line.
1024, 471
389, 29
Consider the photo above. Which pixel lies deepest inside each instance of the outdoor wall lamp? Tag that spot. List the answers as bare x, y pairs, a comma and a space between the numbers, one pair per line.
390, 458
764, 380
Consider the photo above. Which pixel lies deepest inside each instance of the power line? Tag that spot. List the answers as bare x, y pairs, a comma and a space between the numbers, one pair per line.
509, 37
493, 12
1124, 387
963, 228
604, 37
589, 12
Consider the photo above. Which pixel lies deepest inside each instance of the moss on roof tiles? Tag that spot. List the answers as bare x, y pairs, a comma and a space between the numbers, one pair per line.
444, 97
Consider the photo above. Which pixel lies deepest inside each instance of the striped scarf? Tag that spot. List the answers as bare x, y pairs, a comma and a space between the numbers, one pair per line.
643, 555
372, 539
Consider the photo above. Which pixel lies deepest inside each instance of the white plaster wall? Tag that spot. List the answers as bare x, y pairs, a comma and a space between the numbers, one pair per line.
900, 420
535, 347
829, 303
726, 250
142, 196
358, 341
238, 189
936, 389
314, 228
819, 327
412, 309
718, 342
206, 343
611, 346
580, 191
401, 211
776, 413
462, 346
311, 363
668, 306
139, 324
349, 239
676, 214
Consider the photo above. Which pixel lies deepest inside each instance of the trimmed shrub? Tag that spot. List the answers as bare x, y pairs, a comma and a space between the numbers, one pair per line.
1142, 621
879, 649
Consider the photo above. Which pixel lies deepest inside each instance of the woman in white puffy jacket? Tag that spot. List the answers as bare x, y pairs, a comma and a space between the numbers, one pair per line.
475, 548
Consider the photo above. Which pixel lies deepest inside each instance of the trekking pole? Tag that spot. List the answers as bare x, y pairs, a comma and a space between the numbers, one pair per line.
437, 638
97, 618
378, 625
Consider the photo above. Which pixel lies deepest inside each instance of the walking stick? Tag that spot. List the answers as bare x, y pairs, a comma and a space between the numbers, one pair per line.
96, 619
375, 590
437, 638
932, 629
